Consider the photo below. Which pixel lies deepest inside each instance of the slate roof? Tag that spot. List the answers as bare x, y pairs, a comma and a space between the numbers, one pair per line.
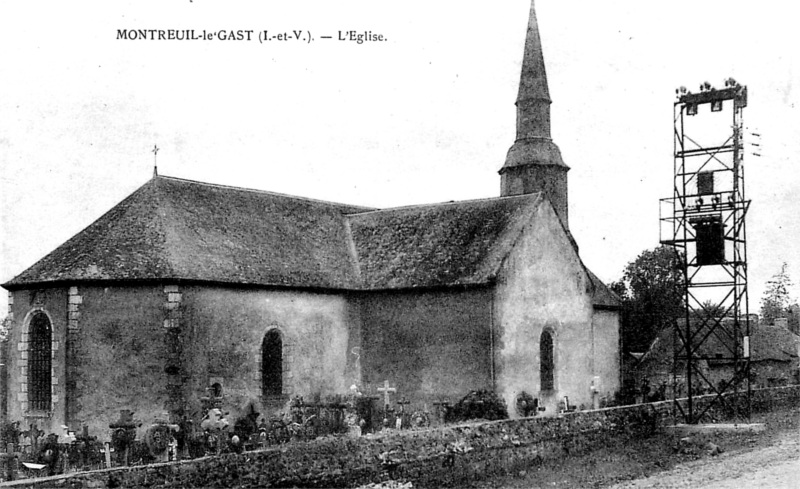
775, 343
175, 229
179, 229
458, 243
602, 296
767, 343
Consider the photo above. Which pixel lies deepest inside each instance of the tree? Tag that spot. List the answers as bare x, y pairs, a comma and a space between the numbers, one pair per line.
711, 309
775, 302
794, 318
651, 290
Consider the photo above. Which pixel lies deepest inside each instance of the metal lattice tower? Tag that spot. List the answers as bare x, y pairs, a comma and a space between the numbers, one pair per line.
704, 221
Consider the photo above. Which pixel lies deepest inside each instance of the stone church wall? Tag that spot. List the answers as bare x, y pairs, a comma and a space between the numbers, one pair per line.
104, 357
121, 356
606, 354
430, 345
22, 304
226, 329
543, 287
154, 348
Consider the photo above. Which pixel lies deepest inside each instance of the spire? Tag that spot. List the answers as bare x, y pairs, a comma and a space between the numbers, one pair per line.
533, 80
534, 163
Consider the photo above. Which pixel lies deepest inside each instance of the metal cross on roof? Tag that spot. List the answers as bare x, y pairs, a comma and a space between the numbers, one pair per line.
155, 159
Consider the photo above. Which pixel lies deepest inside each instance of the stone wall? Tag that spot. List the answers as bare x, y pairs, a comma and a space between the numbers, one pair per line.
543, 286
23, 305
117, 356
430, 345
156, 348
606, 356
439, 457
225, 330
103, 356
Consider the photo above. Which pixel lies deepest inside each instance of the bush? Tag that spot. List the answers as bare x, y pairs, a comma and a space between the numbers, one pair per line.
527, 405
625, 396
481, 404
641, 423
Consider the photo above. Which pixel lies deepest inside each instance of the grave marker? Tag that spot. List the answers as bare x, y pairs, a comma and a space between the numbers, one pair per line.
386, 390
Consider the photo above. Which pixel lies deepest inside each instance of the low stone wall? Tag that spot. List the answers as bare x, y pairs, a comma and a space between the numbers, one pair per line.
437, 457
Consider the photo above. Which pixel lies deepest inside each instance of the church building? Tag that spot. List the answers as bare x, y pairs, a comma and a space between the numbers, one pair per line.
187, 285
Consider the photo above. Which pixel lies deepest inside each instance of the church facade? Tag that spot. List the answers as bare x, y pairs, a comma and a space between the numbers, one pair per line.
186, 286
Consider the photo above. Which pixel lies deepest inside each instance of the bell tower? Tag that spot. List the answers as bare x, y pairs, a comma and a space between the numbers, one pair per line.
534, 164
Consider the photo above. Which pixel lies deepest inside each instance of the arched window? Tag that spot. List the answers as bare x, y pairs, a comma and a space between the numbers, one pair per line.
272, 364
40, 362
547, 365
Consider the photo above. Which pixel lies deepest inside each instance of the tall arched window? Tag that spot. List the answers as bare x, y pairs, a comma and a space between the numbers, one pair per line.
40, 362
272, 364
547, 365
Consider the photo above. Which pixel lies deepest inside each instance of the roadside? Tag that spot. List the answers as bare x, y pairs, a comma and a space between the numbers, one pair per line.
776, 466
664, 460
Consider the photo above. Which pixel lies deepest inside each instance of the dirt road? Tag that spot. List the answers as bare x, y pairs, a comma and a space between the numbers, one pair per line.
774, 466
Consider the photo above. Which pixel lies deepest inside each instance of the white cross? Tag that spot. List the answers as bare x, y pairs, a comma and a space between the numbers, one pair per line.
386, 390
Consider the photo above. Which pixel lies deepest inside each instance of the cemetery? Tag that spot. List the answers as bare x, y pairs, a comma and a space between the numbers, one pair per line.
324, 454
200, 335
194, 321
34, 453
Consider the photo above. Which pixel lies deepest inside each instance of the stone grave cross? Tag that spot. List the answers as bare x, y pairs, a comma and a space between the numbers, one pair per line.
34, 435
386, 390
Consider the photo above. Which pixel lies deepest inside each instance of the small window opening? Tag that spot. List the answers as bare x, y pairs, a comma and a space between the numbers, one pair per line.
547, 366
272, 364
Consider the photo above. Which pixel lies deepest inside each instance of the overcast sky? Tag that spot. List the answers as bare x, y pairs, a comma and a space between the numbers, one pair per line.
425, 116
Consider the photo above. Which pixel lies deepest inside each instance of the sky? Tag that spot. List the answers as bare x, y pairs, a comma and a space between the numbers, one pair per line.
426, 115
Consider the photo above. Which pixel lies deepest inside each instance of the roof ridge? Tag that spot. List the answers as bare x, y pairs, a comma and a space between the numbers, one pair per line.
260, 191
352, 250
513, 233
163, 208
448, 203
123, 207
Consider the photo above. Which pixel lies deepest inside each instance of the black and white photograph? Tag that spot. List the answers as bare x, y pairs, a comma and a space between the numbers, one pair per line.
384, 244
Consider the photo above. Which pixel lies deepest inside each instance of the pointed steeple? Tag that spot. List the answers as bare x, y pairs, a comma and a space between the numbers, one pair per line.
534, 163
533, 99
